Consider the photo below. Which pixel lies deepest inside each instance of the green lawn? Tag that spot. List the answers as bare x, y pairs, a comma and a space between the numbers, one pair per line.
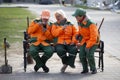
85, 7
13, 23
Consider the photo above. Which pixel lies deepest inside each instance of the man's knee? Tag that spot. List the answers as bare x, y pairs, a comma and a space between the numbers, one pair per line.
59, 48
49, 51
32, 51
90, 56
73, 50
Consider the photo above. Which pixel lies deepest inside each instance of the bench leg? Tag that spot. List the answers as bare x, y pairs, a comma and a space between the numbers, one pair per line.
99, 62
25, 62
102, 61
102, 52
24, 55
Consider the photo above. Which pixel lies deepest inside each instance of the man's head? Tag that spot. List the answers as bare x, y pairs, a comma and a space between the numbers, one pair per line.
79, 14
45, 15
60, 15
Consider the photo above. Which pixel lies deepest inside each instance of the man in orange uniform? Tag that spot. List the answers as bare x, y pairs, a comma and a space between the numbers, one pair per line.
39, 31
64, 33
88, 36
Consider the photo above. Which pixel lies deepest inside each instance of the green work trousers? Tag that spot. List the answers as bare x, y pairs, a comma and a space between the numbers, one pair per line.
87, 58
34, 52
62, 51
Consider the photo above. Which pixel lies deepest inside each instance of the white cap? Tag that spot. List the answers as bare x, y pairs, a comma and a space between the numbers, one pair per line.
61, 12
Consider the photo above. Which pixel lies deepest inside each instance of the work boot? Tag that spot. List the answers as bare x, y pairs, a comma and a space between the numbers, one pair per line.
84, 71
45, 68
64, 68
36, 68
94, 71
71, 61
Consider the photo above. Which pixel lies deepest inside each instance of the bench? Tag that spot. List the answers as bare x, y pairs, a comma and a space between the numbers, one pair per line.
99, 50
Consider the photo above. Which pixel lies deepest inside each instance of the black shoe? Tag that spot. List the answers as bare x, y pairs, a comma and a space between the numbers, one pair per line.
94, 71
84, 71
36, 68
45, 69
64, 68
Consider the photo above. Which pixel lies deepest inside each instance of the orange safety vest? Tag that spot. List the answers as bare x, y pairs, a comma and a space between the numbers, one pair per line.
89, 33
64, 36
36, 30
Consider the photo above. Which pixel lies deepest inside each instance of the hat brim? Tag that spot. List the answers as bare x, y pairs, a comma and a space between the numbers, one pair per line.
74, 15
45, 17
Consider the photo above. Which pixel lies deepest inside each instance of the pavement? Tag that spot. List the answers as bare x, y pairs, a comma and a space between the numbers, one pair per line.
109, 34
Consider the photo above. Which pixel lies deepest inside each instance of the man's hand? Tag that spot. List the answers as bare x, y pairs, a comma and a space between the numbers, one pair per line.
63, 27
77, 37
33, 39
44, 28
72, 43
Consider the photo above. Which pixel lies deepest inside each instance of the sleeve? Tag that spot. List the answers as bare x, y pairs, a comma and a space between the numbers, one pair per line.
74, 33
81, 39
93, 36
48, 33
32, 28
56, 31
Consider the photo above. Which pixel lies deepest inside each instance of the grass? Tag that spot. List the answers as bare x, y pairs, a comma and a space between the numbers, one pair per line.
85, 7
13, 23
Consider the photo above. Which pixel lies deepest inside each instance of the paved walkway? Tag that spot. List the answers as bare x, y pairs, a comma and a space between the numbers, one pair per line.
111, 70
112, 64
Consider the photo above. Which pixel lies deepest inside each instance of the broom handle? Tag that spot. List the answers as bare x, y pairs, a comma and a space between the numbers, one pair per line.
27, 23
100, 24
5, 51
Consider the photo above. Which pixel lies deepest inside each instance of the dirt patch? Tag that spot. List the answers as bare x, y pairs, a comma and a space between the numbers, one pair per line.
14, 50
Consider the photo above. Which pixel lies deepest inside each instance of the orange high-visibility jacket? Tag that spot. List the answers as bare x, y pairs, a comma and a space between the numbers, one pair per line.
89, 33
66, 35
36, 30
